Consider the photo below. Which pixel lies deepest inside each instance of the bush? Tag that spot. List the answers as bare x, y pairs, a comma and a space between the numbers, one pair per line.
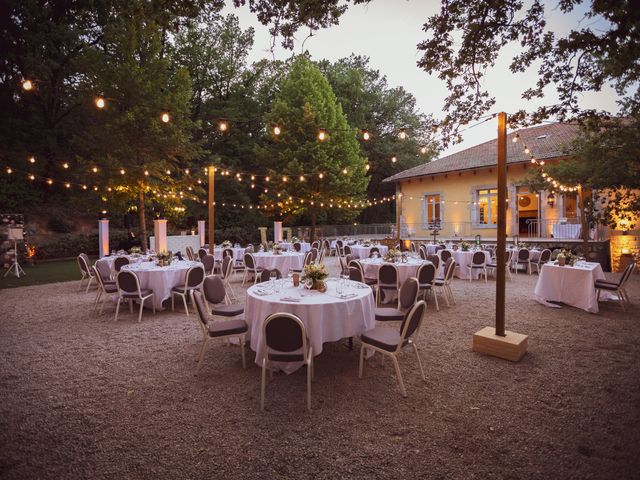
59, 225
70, 245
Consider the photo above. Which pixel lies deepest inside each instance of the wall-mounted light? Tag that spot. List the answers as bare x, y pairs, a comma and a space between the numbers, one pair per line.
551, 200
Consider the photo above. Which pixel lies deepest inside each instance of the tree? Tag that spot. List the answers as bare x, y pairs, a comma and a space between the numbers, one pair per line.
383, 112
130, 134
332, 169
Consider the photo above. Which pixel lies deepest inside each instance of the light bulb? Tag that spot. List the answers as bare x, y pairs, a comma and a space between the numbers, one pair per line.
423, 150
165, 117
277, 130
321, 176
32, 160
32, 177
394, 159
366, 135
403, 134
122, 172
27, 85
322, 135
65, 165
367, 167
100, 102
94, 169
223, 126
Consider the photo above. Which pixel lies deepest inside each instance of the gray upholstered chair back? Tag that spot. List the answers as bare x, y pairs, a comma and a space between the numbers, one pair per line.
227, 252
408, 293
373, 251
119, 263
523, 255
249, 248
434, 259
339, 243
265, 275
208, 262
194, 276
248, 261
213, 288
297, 247
308, 258
423, 253
426, 273
478, 258
201, 253
347, 250
189, 252
201, 308
388, 275
445, 255
103, 270
412, 247
83, 264
412, 320
545, 255
314, 254
349, 258
127, 281
227, 264
283, 333
355, 274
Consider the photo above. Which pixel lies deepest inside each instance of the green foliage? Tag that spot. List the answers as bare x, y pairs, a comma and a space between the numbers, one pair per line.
305, 104
69, 245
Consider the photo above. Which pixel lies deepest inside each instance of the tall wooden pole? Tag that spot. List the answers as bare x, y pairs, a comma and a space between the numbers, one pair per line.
398, 215
211, 172
502, 224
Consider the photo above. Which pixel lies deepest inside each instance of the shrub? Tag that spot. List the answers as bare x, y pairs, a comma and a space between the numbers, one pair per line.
59, 225
70, 245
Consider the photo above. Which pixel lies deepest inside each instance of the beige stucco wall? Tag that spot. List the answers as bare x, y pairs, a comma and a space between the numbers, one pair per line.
457, 191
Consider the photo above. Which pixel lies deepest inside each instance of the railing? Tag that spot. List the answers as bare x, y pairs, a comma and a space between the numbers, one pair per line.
564, 229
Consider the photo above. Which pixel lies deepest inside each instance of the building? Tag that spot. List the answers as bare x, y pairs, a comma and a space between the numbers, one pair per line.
459, 193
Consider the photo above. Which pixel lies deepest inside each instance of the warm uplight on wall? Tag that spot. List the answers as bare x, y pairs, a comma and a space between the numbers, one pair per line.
165, 117
27, 85
100, 103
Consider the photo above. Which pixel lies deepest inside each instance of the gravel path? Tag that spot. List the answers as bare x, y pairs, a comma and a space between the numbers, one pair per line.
84, 397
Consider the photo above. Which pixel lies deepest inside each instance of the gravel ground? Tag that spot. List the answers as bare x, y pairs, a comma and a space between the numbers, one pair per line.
84, 397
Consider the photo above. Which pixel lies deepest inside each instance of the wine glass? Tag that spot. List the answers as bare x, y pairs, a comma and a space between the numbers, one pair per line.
290, 276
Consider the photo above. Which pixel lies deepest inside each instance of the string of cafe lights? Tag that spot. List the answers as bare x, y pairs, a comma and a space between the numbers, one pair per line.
541, 163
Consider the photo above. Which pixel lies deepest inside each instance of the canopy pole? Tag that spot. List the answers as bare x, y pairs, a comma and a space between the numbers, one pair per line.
502, 225
211, 172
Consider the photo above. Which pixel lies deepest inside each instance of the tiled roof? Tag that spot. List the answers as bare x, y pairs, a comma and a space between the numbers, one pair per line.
544, 141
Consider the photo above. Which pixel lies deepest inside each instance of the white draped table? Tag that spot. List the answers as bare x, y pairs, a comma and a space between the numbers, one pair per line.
111, 260
283, 262
304, 246
570, 285
432, 249
359, 251
463, 260
326, 316
405, 270
160, 279
566, 230
238, 253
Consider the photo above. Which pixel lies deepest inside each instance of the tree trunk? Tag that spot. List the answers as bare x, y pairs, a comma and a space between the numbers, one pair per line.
143, 223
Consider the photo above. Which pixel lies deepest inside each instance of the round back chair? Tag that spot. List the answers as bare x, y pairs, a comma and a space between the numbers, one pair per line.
373, 251
445, 255
213, 288
434, 259
208, 263
408, 294
119, 263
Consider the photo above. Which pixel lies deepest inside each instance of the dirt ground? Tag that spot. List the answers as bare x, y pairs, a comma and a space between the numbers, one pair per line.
82, 396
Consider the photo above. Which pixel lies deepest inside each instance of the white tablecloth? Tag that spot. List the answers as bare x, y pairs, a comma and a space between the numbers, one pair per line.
566, 230
405, 270
431, 249
111, 260
238, 253
283, 262
571, 285
161, 279
359, 251
305, 246
326, 317
463, 260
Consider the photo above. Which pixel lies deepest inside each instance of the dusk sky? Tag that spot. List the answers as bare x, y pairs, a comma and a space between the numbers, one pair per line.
387, 31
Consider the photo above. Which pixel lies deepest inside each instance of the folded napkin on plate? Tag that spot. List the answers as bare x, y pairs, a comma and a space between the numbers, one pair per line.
290, 299
262, 292
347, 295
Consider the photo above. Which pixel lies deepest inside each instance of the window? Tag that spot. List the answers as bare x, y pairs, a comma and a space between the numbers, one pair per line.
433, 209
488, 206
571, 205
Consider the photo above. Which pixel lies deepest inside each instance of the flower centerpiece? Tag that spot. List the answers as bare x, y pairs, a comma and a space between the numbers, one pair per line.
277, 248
465, 246
226, 244
135, 251
316, 275
393, 255
442, 243
367, 242
522, 245
295, 240
164, 258
566, 257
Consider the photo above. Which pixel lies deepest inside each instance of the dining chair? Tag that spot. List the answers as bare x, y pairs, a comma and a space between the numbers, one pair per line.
265, 275
493, 265
478, 262
202, 252
211, 330
422, 252
321, 255
297, 247
445, 255
372, 282
412, 247
544, 257
444, 283
407, 297
215, 294
344, 266
129, 289
208, 263
226, 272
105, 272
228, 252
104, 290
86, 272
119, 263
387, 280
192, 281
250, 268
426, 276
617, 287
326, 245
314, 254
390, 342
284, 339
373, 251
346, 250
523, 258
189, 252
355, 274
316, 245
435, 259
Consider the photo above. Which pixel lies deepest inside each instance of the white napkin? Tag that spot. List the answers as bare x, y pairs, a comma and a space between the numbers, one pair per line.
290, 299
344, 296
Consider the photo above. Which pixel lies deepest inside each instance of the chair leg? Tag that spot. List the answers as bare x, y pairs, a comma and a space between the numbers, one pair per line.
173, 303
201, 356
435, 297
361, 367
88, 284
243, 339
263, 383
117, 310
141, 308
153, 303
309, 370
186, 308
415, 347
399, 375
621, 298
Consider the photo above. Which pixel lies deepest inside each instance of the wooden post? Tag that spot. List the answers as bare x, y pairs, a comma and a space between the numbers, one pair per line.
399, 213
499, 342
211, 172
502, 223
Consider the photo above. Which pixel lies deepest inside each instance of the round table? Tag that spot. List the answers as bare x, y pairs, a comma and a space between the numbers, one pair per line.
405, 270
304, 246
327, 316
284, 262
238, 253
161, 279
359, 251
432, 249
111, 260
463, 261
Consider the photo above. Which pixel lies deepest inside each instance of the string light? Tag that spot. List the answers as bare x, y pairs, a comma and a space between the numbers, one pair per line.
322, 135
165, 117
94, 169
403, 134
32, 160
344, 171
394, 159
366, 135
276, 130
32, 177
302, 178
65, 165
27, 85
9, 171
223, 126
122, 172
100, 103
423, 150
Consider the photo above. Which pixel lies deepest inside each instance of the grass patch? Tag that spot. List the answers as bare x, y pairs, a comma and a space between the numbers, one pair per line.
41, 273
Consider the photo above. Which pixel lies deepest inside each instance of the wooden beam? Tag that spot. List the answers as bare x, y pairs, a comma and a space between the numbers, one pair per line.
211, 174
502, 224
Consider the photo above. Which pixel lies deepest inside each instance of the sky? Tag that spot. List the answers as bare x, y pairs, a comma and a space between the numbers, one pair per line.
388, 31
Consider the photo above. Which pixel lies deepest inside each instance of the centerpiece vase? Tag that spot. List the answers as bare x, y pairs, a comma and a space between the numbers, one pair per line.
319, 285
561, 261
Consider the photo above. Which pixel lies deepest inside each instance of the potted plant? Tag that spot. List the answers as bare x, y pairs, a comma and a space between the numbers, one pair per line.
315, 275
